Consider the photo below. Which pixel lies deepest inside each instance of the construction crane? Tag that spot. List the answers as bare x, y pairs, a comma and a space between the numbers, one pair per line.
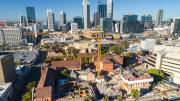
98, 67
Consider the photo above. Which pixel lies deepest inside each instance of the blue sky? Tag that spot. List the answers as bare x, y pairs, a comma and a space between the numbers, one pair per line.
11, 9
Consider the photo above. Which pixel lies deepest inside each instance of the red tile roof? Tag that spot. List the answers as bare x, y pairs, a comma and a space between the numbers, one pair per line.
43, 92
47, 78
65, 63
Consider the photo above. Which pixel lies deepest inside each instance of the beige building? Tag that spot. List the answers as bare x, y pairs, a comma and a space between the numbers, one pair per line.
135, 81
7, 68
167, 59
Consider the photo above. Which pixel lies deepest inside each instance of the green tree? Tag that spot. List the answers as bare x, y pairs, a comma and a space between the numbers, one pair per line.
156, 74
30, 86
125, 44
105, 98
119, 98
128, 54
27, 96
116, 49
64, 73
135, 94
72, 52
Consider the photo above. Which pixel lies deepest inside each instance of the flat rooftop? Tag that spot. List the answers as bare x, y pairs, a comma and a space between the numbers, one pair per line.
132, 75
25, 56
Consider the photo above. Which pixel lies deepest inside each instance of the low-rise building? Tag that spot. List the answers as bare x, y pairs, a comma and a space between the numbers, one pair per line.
132, 80
44, 90
56, 38
69, 64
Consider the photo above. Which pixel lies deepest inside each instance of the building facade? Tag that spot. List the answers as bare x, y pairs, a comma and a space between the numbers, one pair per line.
96, 19
22, 22
137, 81
74, 28
159, 17
79, 21
86, 14
167, 59
129, 23
106, 24
50, 19
102, 8
62, 18
31, 17
146, 18
7, 68
12, 35
176, 26
110, 9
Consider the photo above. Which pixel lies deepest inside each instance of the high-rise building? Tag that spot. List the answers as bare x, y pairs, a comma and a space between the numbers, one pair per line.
176, 26
62, 18
159, 17
110, 9
145, 18
106, 24
102, 8
31, 18
22, 21
129, 23
86, 14
50, 19
7, 67
117, 27
79, 21
96, 19
146, 21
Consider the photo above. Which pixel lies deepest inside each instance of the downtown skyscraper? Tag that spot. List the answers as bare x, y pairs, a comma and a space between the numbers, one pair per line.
102, 8
50, 19
110, 9
86, 14
31, 18
62, 18
22, 21
159, 17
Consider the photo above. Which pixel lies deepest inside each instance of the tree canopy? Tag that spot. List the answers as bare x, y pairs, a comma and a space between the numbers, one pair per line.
116, 49
135, 94
28, 95
64, 73
157, 75
119, 98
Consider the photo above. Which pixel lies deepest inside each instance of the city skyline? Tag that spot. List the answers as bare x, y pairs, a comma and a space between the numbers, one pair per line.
121, 7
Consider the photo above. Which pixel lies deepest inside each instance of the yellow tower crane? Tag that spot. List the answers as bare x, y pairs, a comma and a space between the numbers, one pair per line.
98, 67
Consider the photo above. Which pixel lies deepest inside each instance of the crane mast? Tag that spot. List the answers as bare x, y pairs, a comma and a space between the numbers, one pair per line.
98, 67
